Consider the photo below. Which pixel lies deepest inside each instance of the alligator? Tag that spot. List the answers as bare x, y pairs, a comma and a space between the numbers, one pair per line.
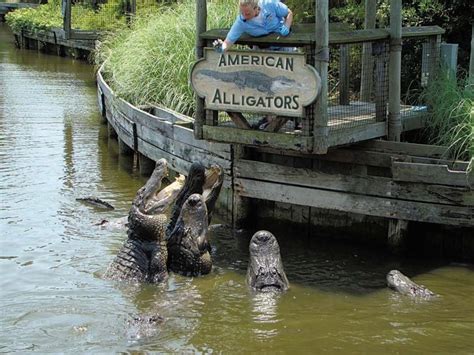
207, 182
188, 246
402, 284
144, 255
265, 269
96, 202
251, 80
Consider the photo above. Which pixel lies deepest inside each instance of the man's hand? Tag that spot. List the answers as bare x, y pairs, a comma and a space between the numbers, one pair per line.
218, 46
284, 30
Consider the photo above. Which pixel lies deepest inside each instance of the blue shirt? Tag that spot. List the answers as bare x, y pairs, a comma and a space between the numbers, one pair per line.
270, 19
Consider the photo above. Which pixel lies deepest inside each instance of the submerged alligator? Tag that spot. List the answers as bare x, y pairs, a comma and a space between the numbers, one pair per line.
151, 247
402, 284
247, 79
96, 202
265, 270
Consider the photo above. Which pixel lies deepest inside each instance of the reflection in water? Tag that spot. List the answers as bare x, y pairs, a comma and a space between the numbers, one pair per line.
52, 255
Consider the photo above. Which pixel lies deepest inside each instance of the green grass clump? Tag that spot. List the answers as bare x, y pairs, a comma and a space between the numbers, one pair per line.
451, 120
150, 62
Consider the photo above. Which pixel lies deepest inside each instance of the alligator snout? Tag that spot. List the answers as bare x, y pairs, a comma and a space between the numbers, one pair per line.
262, 237
194, 200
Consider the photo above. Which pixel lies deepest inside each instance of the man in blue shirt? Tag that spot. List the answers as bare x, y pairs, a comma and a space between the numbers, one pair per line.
258, 18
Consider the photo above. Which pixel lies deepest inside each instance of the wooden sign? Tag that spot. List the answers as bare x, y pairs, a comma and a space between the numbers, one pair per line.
268, 82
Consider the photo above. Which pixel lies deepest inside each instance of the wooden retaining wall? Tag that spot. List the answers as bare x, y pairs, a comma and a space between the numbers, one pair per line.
373, 188
54, 41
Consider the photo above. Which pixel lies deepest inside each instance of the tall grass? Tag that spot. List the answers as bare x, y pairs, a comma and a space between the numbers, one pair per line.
150, 62
451, 120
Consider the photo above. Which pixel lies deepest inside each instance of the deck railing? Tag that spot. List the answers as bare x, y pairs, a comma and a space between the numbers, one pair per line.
357, 90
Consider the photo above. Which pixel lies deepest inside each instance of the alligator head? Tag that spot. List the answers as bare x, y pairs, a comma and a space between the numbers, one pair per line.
214, 177
188, 246
265, 270
150, 202
404, 285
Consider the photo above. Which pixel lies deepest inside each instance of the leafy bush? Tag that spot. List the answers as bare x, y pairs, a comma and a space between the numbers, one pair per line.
150, 62
108, 16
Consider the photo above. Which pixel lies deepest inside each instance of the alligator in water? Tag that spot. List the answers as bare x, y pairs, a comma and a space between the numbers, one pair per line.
265, 269
247, 79
144, 255
206, 182
188, 246
402, 284
96, 202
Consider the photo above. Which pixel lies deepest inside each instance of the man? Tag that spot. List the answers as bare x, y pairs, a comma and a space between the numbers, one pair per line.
257, 18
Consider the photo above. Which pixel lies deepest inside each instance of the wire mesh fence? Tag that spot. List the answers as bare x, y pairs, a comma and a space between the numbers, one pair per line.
357, 84
420, 63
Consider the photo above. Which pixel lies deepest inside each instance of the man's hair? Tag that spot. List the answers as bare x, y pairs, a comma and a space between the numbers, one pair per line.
249, 3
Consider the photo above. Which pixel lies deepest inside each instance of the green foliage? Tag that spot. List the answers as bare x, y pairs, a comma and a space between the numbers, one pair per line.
150, 62
44, 17
451, 120
108, 16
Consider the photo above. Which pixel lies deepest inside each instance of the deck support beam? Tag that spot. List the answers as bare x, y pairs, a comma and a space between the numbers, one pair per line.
397, 233
201, 26
366, 83
321, 129
394, 118
145, 165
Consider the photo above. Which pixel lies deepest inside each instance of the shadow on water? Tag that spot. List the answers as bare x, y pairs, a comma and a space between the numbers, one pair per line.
323, 263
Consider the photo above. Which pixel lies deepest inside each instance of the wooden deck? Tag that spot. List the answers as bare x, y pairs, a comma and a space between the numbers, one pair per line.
388, 180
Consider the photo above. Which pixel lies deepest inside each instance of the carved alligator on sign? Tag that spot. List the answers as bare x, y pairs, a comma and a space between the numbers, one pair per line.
265, 269
247, 79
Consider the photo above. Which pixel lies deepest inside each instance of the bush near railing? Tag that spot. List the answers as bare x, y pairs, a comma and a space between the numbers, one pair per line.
107, 17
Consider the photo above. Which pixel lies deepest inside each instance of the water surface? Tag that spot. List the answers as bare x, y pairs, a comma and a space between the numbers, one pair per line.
53, 150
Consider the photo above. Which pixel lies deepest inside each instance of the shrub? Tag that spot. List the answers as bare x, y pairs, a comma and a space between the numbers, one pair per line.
150, 62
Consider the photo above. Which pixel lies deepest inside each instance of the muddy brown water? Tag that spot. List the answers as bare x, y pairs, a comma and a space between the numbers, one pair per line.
53, 150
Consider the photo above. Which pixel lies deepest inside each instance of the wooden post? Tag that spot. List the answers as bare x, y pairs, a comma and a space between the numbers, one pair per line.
471, 61
367, 60
67, 18
344, 74
321, 129
397, 232
145, 165
124, 149
240, 205
379, 54
394, 119
201, 26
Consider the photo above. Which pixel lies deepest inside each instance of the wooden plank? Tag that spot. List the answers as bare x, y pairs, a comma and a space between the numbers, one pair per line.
360, 204
364, 185
163, 124
182, 150
422, 150
176, 163
422, 31
431, 174
257, 138
357, 134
